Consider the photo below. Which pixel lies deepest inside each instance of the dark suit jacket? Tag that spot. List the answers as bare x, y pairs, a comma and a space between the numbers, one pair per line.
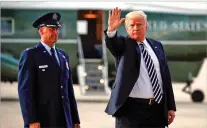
128, 70
41, 85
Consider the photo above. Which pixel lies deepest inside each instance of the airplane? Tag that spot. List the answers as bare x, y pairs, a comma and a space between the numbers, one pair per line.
181, 29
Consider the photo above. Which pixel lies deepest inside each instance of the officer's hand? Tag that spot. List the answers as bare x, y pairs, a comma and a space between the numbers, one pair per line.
114, 20
76, 125
34, 125
171, 116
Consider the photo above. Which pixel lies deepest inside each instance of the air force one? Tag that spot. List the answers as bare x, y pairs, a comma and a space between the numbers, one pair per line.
182, 30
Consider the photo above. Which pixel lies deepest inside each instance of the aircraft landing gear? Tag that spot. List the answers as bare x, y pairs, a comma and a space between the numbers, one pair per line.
197, 96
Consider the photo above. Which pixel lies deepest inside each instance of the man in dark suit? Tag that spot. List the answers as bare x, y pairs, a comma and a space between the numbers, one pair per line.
142, 94
45, 84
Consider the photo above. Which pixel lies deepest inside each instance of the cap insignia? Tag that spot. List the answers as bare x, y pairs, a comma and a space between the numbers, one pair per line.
54, 16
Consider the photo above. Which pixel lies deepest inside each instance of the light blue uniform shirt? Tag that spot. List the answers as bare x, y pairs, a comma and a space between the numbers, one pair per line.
48, 50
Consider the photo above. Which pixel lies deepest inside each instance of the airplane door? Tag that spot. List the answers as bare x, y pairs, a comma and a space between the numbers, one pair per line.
90, 33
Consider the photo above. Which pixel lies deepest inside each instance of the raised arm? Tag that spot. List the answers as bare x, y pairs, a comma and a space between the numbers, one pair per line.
114, 43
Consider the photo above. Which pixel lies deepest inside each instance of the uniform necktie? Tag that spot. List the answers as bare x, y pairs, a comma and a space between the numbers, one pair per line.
152, 74
53, 55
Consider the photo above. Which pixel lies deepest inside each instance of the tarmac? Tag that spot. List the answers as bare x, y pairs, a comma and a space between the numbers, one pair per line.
91, 109
9, 92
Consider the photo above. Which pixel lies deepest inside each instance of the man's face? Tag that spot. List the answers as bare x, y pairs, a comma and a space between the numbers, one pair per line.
49, 34
136, 28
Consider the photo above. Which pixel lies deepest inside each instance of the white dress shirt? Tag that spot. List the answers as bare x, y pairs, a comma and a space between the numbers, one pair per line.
143, 86
48, 50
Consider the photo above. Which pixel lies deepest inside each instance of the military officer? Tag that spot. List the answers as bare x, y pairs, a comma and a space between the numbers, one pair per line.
45, 85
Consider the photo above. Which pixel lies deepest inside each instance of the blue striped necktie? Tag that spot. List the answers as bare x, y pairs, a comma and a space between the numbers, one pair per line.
152, 74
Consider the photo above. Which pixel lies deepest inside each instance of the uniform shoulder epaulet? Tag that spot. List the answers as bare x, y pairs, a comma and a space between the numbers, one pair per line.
30, 48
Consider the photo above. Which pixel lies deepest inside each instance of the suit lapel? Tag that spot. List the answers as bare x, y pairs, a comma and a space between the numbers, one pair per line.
45, 53
43, 50
61, 59
155, 49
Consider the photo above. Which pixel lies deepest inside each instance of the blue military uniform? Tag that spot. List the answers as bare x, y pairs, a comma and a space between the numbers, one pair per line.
45, 88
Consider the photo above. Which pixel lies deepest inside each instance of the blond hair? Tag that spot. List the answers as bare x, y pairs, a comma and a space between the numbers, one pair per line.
135, 14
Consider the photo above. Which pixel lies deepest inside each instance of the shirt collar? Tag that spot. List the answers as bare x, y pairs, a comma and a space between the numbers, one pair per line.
144, 42
47, 47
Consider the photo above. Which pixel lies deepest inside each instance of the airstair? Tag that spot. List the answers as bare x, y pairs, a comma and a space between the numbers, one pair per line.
93, 73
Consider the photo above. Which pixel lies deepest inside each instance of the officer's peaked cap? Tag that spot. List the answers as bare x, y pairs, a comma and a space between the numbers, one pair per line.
49, 20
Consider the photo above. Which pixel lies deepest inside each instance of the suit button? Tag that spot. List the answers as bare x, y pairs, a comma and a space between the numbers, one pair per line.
61, 86
62, 97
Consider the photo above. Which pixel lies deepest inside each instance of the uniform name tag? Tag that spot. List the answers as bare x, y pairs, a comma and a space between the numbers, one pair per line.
43, 66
